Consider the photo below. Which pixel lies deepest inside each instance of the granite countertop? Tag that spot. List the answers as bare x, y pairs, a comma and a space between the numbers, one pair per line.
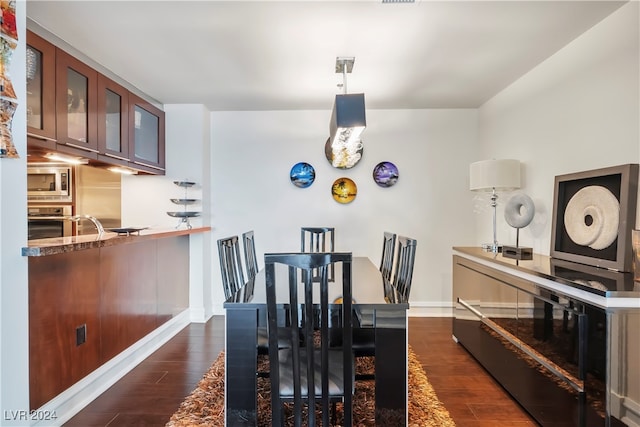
57, 245
601, 286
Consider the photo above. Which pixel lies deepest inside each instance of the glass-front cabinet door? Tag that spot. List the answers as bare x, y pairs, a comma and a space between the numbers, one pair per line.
146, 134
113, 119
76, 104
41, 101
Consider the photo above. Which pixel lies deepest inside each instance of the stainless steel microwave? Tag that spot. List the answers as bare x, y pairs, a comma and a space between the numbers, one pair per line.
49, 182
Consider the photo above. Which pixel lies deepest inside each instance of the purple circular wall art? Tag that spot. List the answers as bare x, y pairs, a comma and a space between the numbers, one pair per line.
385, 174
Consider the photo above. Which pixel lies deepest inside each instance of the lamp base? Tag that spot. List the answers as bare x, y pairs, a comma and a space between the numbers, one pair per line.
517, 252
492, 247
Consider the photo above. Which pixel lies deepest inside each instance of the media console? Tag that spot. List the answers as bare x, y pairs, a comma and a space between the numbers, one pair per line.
562, 338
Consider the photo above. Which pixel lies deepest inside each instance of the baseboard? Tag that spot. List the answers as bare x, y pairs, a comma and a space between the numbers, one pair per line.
198, 315
625, 409
430, 309
75, 398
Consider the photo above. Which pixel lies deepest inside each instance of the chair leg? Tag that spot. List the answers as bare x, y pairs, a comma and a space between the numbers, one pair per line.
334, 415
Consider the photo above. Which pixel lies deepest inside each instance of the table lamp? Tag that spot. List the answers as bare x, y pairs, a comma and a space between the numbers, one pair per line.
492, 175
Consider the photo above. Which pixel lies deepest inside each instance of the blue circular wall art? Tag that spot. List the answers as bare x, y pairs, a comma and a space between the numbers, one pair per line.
302, 175
385, 174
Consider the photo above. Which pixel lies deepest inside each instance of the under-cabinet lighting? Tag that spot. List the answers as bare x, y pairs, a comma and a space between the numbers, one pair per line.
66, 159
123, 171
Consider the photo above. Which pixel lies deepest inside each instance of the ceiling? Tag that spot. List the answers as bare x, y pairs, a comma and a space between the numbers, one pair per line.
281, 55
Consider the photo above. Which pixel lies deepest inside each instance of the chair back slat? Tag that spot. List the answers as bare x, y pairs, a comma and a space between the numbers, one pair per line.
318, 239
388, 250
250, 258
312, 372
230, 265
405, 259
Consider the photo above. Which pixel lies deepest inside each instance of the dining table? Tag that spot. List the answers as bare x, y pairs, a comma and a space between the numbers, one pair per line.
377, 306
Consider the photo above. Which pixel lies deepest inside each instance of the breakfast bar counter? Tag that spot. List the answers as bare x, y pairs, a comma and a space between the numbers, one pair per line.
58, 245
93, 297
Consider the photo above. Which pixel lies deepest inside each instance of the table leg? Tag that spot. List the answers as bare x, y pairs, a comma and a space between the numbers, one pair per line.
240, 367
391, 367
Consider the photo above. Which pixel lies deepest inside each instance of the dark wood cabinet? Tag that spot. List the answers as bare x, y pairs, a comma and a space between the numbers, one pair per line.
41, 101
113, 122
74, 109
146, 134
76, 106
87, 306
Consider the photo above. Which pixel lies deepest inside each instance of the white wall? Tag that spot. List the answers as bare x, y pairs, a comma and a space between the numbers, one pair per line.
146, 199
577, 111
14, 324
253, 153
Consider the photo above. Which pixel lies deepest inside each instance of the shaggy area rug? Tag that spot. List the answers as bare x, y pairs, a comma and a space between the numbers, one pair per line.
205, 405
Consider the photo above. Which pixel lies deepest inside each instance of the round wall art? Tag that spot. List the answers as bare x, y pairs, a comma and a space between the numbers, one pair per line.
342, 155
344, 190
385, 174
302, 175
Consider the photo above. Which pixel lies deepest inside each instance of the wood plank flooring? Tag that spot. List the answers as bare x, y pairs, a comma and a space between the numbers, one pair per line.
151, 392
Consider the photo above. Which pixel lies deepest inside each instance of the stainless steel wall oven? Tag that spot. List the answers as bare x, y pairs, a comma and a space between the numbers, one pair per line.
49, 221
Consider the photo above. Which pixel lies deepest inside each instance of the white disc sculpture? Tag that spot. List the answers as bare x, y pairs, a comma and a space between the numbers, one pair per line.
519, 210
592, 216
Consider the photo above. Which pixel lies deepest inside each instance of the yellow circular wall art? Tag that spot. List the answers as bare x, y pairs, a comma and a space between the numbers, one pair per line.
344, 190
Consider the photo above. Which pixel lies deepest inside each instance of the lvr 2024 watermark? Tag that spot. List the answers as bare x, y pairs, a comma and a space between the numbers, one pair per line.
24, 415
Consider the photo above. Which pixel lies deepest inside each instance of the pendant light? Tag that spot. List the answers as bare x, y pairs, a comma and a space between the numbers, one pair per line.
347, 123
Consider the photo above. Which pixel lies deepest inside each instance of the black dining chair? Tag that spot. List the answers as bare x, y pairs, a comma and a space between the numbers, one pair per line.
310, 373
250, 258
388, 249
318, 239
230, 265
364, 337
405, 259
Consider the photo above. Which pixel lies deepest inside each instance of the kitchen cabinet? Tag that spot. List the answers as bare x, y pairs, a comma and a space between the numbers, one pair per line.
146, 134
113, 122
76, 106
41, 101
76, 110
544, 339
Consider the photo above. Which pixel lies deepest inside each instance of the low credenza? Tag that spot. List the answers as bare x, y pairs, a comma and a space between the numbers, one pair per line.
562, 338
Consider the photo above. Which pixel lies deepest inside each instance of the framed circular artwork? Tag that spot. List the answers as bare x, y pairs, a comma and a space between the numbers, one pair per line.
342, 155
302, 174
344, 190
385, 174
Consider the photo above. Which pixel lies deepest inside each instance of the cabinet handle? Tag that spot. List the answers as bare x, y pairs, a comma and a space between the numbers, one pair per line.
116, 157
470, 308
81, 147
565, 376
149, 166
44, 138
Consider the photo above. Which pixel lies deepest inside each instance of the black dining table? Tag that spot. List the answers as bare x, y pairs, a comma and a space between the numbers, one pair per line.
377, 307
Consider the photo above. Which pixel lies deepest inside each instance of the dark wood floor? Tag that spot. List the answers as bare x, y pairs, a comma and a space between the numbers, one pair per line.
151, 393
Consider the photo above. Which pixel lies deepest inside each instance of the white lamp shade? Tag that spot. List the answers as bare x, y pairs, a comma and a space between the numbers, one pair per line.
501, 174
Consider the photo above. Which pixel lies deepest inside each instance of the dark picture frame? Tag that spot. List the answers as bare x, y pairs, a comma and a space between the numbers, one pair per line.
622, 182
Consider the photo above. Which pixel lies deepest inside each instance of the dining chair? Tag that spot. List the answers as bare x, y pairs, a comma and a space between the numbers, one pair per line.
405, 259
230, 265
364, 344
250, 258
318, 239
388, 248
311, 372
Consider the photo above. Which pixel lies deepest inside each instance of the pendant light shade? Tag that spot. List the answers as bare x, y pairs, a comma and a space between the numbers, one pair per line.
348, 119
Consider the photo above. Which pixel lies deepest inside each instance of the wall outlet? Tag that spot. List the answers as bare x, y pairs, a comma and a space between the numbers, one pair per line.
81, 334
